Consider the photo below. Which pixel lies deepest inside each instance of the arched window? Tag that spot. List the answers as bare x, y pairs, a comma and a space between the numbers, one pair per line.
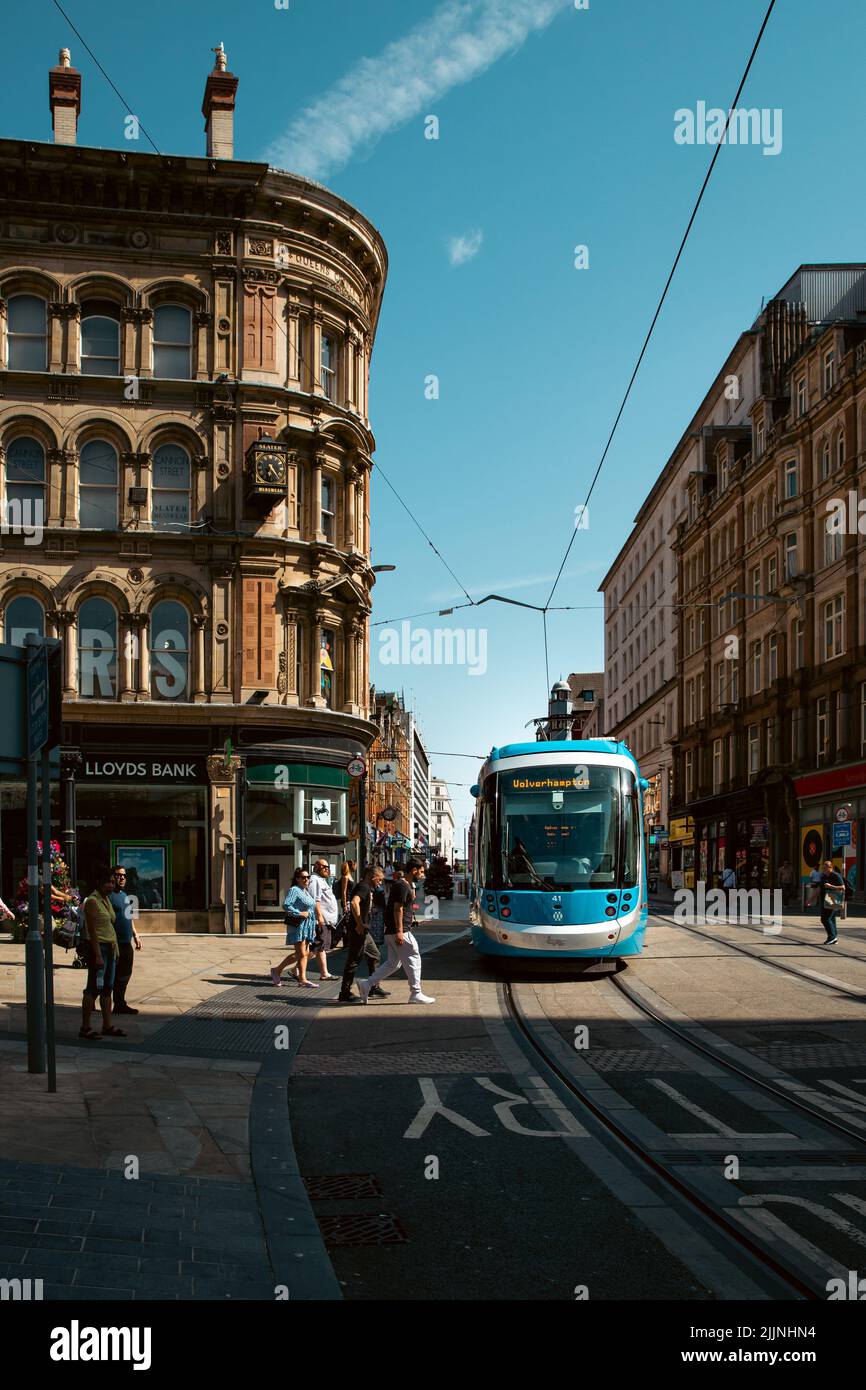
97, 486
23, 616
28, 333
753, 520
172, 341
100, 339
840, 449
825, 459
169, 651
97, 650
25, 482
171, 482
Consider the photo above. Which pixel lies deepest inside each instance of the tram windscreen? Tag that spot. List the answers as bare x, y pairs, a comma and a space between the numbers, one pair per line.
564, 828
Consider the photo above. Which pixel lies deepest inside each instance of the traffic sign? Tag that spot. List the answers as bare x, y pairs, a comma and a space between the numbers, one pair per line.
356, 768
841, 834
37, 701
843, 813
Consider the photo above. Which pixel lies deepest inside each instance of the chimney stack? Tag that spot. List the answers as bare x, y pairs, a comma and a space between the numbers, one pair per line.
64, 98
218, 109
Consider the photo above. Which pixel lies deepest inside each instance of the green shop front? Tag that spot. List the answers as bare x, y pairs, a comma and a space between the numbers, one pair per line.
294, 814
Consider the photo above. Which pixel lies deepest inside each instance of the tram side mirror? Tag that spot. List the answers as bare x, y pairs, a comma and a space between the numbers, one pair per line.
475, 790
643, 783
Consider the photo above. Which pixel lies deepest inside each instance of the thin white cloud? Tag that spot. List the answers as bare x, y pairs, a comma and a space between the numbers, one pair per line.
462, 248
509, 586
460, 40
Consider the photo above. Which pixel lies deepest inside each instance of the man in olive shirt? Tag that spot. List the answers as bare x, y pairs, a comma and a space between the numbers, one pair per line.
102, 957
128, 940
402, 944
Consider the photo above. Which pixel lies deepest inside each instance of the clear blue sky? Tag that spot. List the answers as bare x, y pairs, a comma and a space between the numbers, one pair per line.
566, 138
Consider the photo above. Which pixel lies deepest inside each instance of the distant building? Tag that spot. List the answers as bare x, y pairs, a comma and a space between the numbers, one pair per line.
442, 815
389, 781
587, 690
420, 774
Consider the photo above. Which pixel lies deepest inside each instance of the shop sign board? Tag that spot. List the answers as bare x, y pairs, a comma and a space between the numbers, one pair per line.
841, 834
385, 771
122, 767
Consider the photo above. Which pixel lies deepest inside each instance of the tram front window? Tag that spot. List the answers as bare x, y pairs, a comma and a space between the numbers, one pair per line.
561, 832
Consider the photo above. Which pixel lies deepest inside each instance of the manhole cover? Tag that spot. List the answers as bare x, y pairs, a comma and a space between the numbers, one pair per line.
328, 1189
362, 1230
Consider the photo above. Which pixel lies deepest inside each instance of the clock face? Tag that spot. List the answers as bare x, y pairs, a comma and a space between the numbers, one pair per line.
271, 468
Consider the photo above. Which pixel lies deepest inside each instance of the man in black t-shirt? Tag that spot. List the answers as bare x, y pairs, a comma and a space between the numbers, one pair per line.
360, 941
402, 945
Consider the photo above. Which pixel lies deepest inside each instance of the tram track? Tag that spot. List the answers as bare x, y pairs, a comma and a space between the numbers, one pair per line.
614, 1129
811, 976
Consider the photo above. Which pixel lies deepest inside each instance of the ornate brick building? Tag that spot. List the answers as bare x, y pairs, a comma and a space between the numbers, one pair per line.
184, 363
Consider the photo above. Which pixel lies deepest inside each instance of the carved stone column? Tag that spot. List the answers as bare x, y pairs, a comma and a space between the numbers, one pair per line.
203, 321
351, 529
314, 364
222, 776
63, 622
4, 334
291, 648
132, 656
59, 314
316, 699
294, 330
197, 658
73, 338
58, 461
316, 498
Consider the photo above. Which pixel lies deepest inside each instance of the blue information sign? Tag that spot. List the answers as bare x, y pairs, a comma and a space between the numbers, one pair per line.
841, 834
37, 701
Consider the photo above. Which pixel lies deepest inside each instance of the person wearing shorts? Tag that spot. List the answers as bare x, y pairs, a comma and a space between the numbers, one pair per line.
102, 956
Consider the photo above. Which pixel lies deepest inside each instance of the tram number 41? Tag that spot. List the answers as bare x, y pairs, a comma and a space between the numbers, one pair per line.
542, 1098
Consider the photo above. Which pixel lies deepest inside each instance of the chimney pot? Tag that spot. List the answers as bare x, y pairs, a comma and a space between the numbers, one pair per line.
64, 99
218, 108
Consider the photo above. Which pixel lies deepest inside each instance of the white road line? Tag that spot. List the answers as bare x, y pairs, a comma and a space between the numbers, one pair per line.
700, 1114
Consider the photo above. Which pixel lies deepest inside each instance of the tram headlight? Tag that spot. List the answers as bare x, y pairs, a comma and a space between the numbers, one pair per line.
506, 912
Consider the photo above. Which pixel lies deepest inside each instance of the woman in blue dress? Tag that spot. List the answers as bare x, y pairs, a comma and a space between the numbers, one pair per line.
300, 910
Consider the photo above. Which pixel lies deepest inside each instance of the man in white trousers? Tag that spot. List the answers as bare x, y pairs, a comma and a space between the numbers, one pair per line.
402, 945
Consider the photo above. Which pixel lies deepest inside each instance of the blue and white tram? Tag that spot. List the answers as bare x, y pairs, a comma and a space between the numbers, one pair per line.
560, 867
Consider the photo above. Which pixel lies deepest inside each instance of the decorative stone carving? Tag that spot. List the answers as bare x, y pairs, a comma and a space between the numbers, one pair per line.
260, 246
66, 233
135, 575
224, 325
200, 461
59, 309
139, 239
282, 679
223, 244
202, 318
223, 471
221, 770
255, 276
131, 314
222, 629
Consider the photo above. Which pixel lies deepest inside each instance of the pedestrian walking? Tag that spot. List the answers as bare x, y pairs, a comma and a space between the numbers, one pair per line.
101, 957
348, 874
785, 881
832, 898
728, 878
300, 910
402, 944
128, 940
360, 942
327, 913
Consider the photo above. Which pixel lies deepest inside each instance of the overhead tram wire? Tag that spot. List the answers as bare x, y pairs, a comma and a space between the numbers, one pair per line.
664, 293
117, 93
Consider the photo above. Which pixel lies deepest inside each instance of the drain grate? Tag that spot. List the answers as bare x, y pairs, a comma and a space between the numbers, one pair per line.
345, 1185
382, 1229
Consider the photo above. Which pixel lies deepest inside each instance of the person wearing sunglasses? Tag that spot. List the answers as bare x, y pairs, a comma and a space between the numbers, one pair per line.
128, 939
300, 910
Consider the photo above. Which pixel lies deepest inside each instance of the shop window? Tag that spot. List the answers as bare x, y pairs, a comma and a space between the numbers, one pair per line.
169, 651
161, 833
329, 509
172, 342
328, 366
24, 615
97, 650
28, 333
326, 666
100, 340
170, 506
25, 482
97, 486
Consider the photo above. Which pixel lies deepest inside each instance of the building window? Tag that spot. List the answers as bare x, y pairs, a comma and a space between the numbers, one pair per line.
832, 542
829, 369
328, 366
690, 635
834, 637
822, 729
690, 701
825, 460
170, 506
169, 651
25, 482
772, 574
769, 741
754, 751
721, 685
734, 683
97, 650
172, 342
791, 555
840, 721
28, 333
718, 764
801, 397
840, 450
100, 341
329, 509
791, 478
759, 438
798, 644
753, 520
24, 615
756, 668
756, 580
97, 486
772, 657
690, 775
326, 666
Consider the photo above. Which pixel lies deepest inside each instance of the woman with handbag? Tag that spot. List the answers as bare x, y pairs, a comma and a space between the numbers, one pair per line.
832, 899
300, 910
